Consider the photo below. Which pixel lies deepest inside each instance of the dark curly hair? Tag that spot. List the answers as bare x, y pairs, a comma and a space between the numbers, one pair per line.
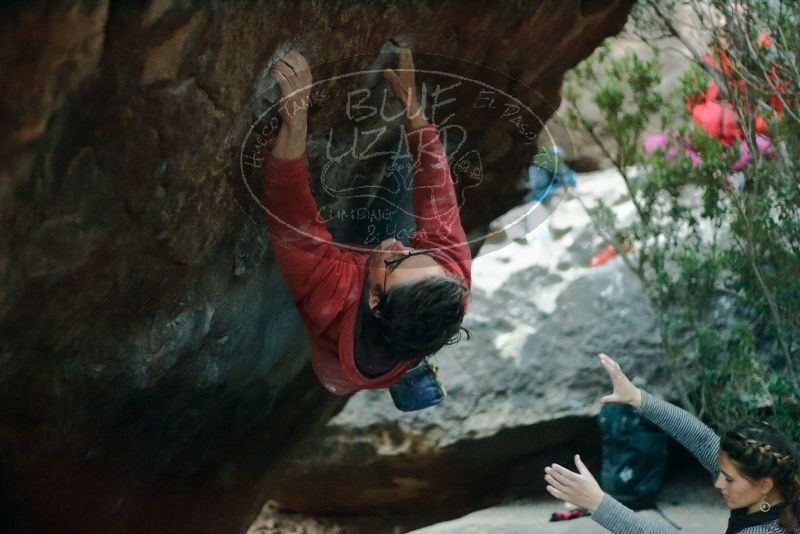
759, 451
418, 318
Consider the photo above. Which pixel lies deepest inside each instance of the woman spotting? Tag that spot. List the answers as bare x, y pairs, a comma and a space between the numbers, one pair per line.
754, 466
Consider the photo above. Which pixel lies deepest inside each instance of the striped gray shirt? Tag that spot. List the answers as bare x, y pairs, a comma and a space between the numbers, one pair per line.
698, 439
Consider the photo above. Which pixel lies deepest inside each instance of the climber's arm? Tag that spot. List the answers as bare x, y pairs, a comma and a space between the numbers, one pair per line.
434, 198
313, 266
404, 87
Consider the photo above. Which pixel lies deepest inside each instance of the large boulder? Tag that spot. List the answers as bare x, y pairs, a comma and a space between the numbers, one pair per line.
523, 391
153, 369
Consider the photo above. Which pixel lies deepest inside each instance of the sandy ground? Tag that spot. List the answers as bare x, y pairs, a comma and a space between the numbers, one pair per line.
688, 500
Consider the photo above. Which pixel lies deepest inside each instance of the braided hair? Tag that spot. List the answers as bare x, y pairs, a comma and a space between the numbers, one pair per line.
759, 451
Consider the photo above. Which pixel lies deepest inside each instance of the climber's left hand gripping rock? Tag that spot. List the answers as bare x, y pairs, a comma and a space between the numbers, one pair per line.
294, 78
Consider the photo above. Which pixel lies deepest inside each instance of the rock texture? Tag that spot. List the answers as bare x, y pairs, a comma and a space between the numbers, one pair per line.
153, 370
688, 501
522, 392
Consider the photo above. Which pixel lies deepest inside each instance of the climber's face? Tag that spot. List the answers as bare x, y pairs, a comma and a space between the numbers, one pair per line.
393, 263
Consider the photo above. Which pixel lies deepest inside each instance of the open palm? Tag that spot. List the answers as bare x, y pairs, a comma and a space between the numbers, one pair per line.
580, 489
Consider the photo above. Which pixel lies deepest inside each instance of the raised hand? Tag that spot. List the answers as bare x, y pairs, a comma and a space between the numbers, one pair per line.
624, 390
580, 489
294, 78
404, 87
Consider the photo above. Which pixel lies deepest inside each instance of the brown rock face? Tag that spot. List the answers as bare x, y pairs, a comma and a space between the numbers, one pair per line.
153, 369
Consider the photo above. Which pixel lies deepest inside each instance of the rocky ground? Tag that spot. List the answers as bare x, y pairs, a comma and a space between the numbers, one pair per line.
688, 500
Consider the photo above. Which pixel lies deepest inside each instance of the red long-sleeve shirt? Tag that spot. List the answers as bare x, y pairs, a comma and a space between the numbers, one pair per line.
326, 279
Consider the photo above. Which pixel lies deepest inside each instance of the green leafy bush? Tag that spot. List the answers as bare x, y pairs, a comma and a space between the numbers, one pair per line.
717, 252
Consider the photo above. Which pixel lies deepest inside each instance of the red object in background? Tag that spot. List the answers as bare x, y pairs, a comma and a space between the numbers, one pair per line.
566, 516
779, 85
604, 255
693, 101
723, 65
718, 120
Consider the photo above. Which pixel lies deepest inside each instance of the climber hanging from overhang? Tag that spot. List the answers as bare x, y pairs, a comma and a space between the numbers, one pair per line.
374, 316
